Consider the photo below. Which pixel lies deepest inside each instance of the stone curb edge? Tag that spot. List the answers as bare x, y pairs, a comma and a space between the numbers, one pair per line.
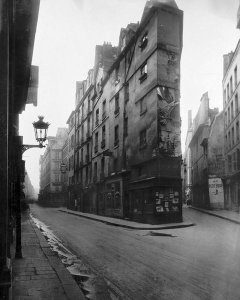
215, 215
187, 224
69, 285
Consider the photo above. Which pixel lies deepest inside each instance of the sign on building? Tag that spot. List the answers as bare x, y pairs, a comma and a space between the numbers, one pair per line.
216, 194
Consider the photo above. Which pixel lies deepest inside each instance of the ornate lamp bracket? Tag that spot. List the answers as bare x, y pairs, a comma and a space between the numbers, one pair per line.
26, 147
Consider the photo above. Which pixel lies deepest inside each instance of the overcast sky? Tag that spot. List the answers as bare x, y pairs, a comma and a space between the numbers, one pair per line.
68, 31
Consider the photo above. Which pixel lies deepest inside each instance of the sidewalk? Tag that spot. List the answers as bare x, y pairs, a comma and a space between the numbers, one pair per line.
40, 274
231, 216
125, 223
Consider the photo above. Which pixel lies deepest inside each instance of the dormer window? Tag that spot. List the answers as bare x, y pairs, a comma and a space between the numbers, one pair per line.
143, 41
143, 72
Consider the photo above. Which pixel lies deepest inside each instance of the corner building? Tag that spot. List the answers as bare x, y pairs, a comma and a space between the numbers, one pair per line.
136, 150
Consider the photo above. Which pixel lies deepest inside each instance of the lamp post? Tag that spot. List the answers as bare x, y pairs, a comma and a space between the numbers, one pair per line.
40, 129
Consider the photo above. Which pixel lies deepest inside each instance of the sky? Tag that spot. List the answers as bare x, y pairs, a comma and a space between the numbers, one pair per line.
68, 31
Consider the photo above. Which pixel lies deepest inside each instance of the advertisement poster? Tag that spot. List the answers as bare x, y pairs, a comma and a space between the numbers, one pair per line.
216, 194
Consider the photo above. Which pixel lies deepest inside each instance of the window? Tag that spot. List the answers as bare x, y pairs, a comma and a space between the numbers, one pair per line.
116, 137
96, 142
237, 131
229, 139
143, 138
231, 111
228, 91
82, 155
116, 104
226, 142
104, 109
228, 115
126, 126
234, 161
103, 136
126, 92
117, 75
143, 41
236, 105
235, 77
89, 103
225, 119
233, 136
143, 106
224, 97
102, 166
88, 127
231, 85
238, 159
86, 175
143, 73
95, 171
229, 163
82, 111
97, 117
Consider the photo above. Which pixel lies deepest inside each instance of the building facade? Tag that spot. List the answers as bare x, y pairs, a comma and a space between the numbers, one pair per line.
51, 184
17, 34
202, 147
231, 92
129, 163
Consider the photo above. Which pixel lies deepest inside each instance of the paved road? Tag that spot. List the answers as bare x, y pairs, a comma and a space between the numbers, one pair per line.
200, 262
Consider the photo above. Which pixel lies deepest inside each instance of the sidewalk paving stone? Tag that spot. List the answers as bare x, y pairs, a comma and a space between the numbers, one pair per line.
40, 274
125, 223
231, 216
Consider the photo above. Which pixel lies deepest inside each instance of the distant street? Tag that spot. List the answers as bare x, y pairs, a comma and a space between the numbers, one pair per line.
199, 262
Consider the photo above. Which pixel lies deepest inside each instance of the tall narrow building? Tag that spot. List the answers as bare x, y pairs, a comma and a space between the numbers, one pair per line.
135, 121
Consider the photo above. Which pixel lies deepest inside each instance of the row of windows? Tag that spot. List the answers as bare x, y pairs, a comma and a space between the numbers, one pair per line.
232, 111
233, 161
229, 91
231, 138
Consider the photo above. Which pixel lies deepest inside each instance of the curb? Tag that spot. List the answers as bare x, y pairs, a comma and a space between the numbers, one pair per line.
215, 215
69, 285
185, 224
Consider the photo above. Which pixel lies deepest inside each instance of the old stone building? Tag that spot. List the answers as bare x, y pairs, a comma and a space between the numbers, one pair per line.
206, 148
51, 184
231, 92
129, 162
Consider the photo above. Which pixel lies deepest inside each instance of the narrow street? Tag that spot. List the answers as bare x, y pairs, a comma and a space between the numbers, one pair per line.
199, 262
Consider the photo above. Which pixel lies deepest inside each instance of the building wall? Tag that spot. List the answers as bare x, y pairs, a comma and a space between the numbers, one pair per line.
140, 89
231, 95
51, 184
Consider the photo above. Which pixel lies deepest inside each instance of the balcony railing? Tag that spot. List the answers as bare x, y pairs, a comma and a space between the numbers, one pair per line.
97, 122
96, 148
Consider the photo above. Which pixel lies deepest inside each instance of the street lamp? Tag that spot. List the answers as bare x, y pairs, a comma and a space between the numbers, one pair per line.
40, 130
